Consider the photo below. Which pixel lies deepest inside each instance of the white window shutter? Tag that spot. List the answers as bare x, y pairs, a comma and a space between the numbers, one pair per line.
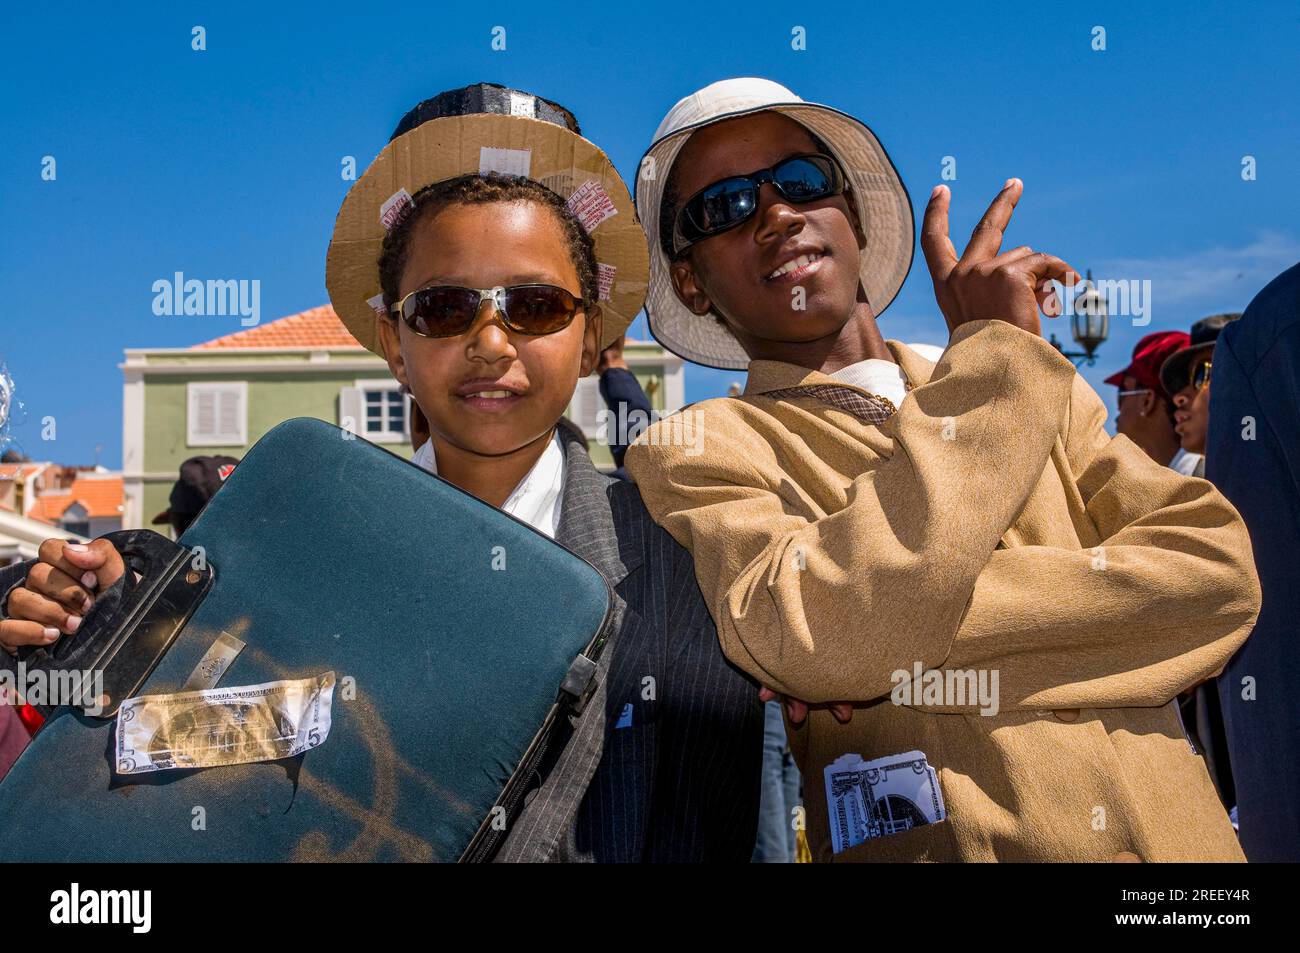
229, 414
205, 414
352, 410
216, 413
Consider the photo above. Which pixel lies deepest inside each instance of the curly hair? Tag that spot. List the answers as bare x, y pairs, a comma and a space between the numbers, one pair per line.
481, 189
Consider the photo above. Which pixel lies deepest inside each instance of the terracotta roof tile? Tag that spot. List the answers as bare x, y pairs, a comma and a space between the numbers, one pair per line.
316, 327
101, 496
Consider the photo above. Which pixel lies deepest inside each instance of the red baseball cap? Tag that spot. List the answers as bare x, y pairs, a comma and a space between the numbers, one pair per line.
1151, 352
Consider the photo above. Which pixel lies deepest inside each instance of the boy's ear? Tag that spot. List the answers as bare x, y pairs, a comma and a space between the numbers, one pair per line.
688, 288
854, 220
392, 344
591, 340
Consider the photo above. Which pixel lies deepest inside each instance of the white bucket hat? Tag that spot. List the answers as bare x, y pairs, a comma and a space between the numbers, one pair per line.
883, 206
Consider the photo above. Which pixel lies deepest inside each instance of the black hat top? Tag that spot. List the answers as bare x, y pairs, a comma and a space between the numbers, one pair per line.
1207, 329
200, 478
486, 98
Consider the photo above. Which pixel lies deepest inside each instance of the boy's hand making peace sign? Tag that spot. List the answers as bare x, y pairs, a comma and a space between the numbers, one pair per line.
983, 284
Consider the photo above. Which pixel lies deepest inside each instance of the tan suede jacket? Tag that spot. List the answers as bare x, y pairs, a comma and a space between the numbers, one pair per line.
990, 525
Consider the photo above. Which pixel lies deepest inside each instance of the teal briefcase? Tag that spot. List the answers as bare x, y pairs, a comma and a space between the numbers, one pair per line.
424, 652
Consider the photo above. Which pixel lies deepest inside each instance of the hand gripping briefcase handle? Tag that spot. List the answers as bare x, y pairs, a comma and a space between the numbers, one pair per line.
165, 582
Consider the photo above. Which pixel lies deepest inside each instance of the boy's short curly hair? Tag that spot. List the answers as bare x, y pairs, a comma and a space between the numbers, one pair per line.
481, 189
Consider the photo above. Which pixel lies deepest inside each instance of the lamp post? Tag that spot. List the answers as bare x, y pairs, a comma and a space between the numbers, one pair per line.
1089, 324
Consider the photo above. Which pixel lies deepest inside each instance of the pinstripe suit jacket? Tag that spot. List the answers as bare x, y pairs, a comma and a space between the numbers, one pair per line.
663, 765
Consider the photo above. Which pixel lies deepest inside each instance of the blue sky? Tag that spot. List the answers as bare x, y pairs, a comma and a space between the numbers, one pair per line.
225, 163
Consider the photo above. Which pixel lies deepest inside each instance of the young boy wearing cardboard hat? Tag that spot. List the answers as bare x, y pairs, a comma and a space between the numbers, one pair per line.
490, 253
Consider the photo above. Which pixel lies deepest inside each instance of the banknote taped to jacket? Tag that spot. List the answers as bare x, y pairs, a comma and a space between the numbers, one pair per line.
460, 640
881, 797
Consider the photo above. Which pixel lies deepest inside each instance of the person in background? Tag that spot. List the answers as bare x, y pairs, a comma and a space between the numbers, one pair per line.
199, 481
781, 795
1146, 411
1253, 458
1186, 375
626, 401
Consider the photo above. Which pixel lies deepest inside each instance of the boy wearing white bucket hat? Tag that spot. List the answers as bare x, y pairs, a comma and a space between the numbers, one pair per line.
956, 548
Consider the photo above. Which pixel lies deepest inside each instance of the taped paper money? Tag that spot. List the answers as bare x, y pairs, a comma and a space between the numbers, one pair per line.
220, 726
870, 799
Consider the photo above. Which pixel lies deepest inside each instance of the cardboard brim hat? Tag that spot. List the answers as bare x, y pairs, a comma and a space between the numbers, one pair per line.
479, 129
883, 206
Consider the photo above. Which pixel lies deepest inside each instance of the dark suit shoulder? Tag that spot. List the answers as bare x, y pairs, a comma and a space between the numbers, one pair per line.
1271, 315
668, 578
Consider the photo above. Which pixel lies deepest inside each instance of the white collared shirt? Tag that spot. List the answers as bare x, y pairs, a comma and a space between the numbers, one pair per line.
1184, 462
884, 378
536, 499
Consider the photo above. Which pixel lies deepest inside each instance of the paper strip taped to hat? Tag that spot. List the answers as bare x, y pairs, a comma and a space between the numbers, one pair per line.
446, 148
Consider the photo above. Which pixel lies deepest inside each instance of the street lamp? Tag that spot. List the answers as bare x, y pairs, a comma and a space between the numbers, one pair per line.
1089, 324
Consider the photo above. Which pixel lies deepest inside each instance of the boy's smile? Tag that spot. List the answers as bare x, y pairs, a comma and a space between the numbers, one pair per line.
798, 267
481, 393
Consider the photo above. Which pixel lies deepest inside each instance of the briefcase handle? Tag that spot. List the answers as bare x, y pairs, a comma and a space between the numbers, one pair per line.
120, 647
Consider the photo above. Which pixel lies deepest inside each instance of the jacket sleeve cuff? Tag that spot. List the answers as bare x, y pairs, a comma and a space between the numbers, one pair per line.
11, 578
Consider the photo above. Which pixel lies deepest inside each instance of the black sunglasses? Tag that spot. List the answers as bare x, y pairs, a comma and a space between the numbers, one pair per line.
734, 200
445, 311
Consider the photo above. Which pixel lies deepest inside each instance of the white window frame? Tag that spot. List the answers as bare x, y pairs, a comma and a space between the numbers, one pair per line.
363, 423
238, 439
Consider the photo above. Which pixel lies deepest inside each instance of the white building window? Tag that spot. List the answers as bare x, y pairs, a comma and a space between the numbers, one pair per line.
217, 414
376, 410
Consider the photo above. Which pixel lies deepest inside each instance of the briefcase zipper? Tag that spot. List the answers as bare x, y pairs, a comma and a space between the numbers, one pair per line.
483, 845
486, 841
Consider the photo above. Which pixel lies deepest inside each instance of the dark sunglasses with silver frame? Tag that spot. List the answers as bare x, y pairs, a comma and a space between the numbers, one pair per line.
443, 311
